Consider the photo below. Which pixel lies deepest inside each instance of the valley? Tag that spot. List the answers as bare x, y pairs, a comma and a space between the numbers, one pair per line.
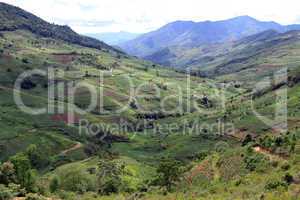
89, 121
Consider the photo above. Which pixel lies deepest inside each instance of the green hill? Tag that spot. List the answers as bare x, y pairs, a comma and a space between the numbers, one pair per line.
13, 18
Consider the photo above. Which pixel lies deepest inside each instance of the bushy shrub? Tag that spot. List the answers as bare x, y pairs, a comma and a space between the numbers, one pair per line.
25, 60
5, 193
77, 181
16, 190
285, 166
133, 104
109, 177
67, 195
169, 171
7, 173
202, 155
37, 159
288, 178
255, 162
22, 166
271, 185
54, 184
34, 197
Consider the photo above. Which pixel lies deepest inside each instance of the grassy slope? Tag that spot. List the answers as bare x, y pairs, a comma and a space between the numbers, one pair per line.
18, 130
42, 53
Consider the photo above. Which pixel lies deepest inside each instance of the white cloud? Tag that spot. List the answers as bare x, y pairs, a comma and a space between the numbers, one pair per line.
144, 15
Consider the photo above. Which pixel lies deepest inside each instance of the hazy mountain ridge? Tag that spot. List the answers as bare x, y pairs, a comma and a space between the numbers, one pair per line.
191, 34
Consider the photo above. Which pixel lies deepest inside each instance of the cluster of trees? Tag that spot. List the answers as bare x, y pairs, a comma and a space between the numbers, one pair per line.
254, 161
110, 179
169, 172
103, 180
283, 144
19, 174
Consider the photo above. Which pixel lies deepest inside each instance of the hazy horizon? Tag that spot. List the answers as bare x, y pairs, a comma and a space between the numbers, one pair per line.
140, 16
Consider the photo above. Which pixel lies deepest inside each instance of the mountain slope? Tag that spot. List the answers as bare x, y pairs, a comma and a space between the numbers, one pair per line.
14, 18
190, 34
248, 58
255, 56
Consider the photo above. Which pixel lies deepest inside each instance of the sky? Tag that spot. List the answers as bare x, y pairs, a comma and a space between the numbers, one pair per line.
140, 16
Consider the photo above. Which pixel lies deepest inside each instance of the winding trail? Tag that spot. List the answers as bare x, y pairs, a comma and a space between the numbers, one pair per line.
78, 145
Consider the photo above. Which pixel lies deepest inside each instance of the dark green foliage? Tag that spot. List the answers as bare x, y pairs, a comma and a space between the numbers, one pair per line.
109, 177
284, 144
22, 166
202, 155
76, 181
133, 104
285, 166
37, 159
54, 184
255, 161
169, 172
288, 178
25, 60
247, 140
272, 185
30, 181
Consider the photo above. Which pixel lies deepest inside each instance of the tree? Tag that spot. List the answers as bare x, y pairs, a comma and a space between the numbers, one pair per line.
288, 178
247, 140
75, 180
37, 160
54, 184
7, 173
5, 193
30, 181
22, 166
169, 172
254, 161
109, 177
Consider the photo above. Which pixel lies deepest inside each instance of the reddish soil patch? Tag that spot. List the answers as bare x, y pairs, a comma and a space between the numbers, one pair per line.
64, 58
65, 118
268, 153
203, 168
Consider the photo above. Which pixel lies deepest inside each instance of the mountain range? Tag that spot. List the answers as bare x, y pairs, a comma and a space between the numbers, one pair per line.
259, 53
189, 34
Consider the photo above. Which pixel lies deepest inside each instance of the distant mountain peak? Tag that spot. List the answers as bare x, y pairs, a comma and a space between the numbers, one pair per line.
245, 17
191, 34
